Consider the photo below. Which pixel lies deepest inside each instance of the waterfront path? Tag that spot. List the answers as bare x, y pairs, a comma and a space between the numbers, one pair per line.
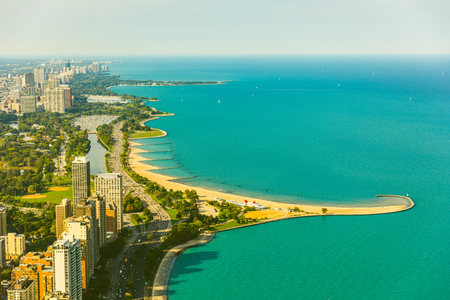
161, 283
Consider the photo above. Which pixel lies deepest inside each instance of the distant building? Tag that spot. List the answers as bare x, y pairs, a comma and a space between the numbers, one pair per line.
41, 258
28, 104
3, 230
29, 79
17, 81
22, 289
67, 95
67, 266
96, 67
62, 213
53, 83
110, 185
54, 100
88, 208
15, 244
14, 94
39, 75
81, 179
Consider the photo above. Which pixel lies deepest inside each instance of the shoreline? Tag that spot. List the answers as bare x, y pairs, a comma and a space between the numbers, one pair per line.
135, 162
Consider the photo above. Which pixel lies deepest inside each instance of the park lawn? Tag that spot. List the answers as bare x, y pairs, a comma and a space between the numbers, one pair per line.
146, 134
231, 224
173, 215
60, 182
136, 224
54, 197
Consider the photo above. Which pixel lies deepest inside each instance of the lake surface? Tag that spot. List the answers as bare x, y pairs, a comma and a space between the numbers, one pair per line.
324, 130
96, 155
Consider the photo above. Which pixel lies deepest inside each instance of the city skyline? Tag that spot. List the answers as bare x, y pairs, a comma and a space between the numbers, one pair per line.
224, 28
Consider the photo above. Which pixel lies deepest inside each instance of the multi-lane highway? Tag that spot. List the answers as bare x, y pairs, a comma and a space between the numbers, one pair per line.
130, 264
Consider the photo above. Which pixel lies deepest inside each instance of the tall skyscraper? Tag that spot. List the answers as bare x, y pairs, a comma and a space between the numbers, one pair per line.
39, 75
28, 104
2, 251
22, 289
54, 100
111, 217
101, 219
15, 244
29, 79
2, 220
67, 95
96, 67
62, 213
110, 185
83, 228
81, 184
53, 83
67, 266
88, 208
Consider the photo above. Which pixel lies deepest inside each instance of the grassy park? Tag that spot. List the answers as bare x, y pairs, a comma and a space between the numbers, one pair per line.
173, 215
53, 195
147, 134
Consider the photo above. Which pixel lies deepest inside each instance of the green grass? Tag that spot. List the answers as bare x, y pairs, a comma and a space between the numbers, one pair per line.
231, 224
173, 215
146, 134
136, 224
60, 182
54, 197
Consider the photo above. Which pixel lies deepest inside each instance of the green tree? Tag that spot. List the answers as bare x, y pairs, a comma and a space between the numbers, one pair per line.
31, 189
324, 210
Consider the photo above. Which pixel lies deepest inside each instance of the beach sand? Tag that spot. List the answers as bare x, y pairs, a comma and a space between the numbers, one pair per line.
135, 162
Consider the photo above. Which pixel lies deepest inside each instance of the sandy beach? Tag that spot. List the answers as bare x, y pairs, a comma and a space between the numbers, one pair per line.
135, 162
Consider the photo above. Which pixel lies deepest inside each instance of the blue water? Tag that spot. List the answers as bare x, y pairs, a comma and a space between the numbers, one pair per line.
332, 130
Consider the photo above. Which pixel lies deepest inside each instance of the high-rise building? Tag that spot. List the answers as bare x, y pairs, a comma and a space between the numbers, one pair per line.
81, 176
28, 104
67, 266
14, 94
88, 207
96, 67
62, 213
111, 218
17, 81
22, 289
110, 185
54, 100
42, 276
2, 220
29, 79
100, 203
39, 75
53, 83
83, 228
2, 251
15, 244
67, 95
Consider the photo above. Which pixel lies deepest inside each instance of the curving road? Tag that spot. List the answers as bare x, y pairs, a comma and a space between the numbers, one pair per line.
129, 265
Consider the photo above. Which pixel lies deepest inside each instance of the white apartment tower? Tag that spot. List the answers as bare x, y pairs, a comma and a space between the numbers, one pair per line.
110, 185
39, 75
28, 104
2, 220
81, 172
67, 266
83, 229
54, 100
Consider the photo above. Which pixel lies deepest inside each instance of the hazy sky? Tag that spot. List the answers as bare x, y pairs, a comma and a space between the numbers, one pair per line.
147, 27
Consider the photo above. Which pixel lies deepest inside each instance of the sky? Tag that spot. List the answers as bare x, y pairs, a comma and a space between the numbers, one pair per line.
219, 27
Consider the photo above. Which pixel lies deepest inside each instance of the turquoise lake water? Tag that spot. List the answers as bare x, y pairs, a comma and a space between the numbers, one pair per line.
328, 130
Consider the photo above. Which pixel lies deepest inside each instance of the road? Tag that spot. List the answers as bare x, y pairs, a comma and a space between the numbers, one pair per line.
122, 268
